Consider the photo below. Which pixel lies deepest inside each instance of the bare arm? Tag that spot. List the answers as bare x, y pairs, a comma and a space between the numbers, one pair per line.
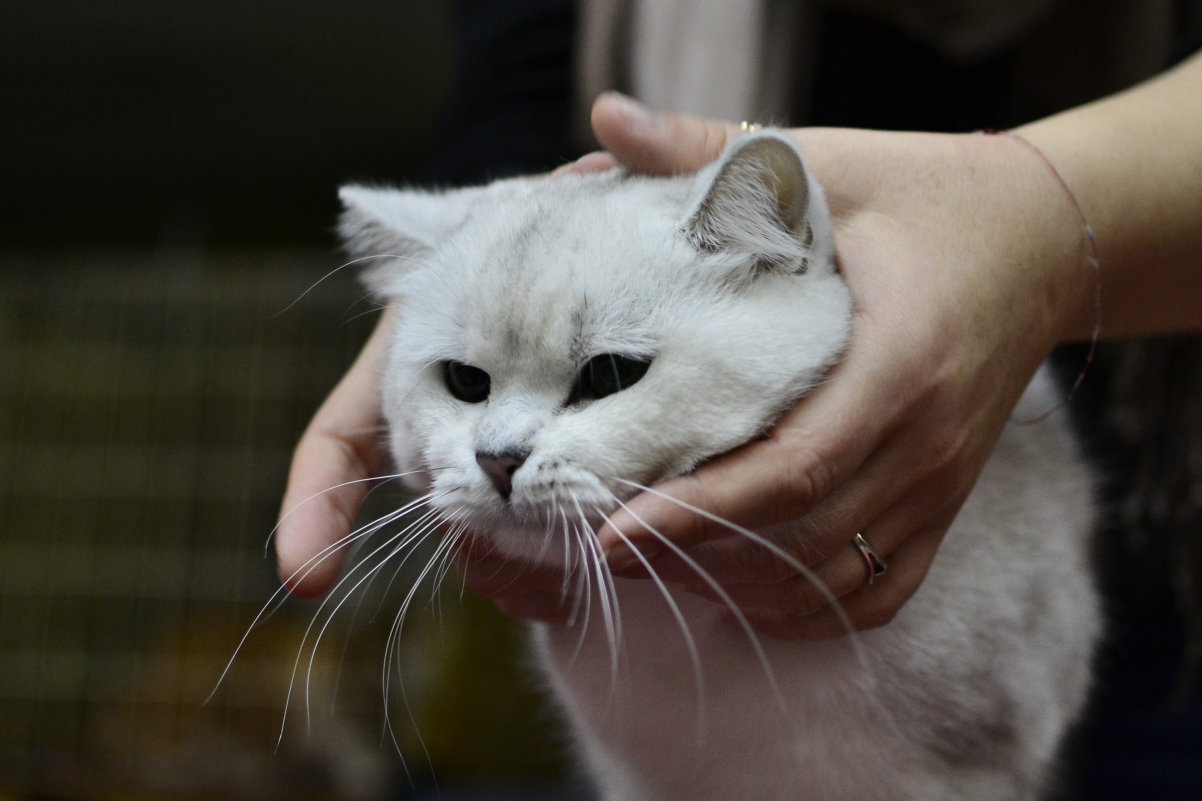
1134, 161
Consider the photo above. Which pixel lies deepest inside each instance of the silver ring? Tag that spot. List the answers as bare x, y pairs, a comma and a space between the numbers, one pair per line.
876, 566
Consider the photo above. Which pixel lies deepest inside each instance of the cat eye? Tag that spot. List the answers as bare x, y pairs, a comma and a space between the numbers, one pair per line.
468, 384
608, 373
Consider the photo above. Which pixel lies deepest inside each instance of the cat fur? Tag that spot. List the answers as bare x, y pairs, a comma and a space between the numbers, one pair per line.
727, 281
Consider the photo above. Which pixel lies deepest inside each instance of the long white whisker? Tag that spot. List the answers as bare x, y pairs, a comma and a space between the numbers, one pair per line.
566, 585
674, 608
370, 479
455, 534
326, 277
403, 539
281, 594
366, 530
775, 550
393, 643
590, 550
584, 594
426, 523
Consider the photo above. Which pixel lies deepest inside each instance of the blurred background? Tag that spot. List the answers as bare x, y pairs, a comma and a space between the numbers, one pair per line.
171, 314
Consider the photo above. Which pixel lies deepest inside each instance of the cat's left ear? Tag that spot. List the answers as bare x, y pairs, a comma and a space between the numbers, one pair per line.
393, 230
759, 200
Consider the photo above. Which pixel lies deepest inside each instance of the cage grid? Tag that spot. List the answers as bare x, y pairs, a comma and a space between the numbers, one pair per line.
148, 407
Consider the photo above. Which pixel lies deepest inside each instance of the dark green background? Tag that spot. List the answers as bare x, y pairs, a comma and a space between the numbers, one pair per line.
169, 173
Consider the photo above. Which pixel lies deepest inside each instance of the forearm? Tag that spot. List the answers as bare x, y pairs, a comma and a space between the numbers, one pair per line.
1134, 163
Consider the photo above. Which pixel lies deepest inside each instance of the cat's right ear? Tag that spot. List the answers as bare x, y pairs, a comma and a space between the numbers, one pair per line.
392, 230
759, 200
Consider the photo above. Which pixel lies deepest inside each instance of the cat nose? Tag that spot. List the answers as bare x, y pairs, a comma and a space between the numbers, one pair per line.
500, 469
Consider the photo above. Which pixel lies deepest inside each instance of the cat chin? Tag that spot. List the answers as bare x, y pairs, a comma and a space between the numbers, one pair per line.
537, 532
539, 545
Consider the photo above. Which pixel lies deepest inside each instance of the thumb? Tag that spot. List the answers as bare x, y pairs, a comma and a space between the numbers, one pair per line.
660, 144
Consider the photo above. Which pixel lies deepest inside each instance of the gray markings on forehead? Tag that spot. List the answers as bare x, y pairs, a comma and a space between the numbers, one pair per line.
531, 314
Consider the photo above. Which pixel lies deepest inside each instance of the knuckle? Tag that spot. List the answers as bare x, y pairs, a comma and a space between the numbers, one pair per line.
947, 451
690, 527
808, 479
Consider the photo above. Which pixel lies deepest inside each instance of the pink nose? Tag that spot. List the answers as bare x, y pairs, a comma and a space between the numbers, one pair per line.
500, 469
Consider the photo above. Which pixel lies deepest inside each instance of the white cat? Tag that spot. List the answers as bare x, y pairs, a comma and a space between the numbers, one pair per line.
566, 341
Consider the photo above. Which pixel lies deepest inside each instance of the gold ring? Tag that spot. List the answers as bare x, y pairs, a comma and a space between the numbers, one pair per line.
749, 127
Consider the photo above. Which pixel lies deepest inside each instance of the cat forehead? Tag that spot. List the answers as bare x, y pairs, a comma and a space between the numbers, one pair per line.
529, 227
583, 270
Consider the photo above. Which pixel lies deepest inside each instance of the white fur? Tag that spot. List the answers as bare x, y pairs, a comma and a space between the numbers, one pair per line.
726, 281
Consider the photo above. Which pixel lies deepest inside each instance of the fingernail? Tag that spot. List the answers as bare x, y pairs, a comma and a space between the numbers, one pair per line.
631, 557
635, 113
590, 162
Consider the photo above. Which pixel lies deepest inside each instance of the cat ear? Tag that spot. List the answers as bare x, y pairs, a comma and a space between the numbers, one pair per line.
759, 200
393, 229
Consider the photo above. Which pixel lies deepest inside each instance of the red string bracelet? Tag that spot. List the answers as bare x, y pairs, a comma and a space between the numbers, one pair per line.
1091, 259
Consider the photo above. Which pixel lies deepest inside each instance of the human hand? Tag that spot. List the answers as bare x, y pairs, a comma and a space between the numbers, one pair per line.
964, 275
964, 259
336, 459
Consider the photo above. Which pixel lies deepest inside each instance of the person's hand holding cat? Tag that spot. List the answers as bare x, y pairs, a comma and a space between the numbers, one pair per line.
966, 261
890, 446
952, 320
953, 317
338, 456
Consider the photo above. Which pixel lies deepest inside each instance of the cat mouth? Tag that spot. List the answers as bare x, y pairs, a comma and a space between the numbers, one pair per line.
533, 506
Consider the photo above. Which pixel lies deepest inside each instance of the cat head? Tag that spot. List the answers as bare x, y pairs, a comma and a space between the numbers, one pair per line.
564, 340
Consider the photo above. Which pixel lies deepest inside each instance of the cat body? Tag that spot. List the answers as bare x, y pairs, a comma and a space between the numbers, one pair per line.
564, 342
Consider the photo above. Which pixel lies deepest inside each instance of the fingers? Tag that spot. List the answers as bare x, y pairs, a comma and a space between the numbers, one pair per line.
655, 143
805, 592
783, 599
589, 162
331, 467
868, 606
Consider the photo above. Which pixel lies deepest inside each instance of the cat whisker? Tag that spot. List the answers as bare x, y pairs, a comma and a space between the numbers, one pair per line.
362, 595
402, 539
566, 584
572, 574
448, 559
583, 597
280, 595
682, 623
333, 272
770, 546
393, 643
548, 539
369, 479
587, 542
392, 646
410, 544
372, 308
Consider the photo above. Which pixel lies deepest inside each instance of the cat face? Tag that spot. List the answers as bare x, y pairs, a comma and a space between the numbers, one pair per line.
563, 341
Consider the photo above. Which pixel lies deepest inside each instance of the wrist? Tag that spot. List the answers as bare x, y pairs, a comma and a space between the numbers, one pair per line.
1053, 239
1074, 324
